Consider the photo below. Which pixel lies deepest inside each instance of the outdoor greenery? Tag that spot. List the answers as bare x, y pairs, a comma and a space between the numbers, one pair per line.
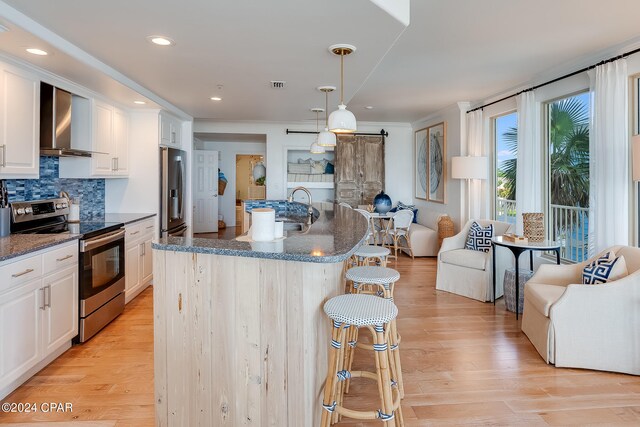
569, 155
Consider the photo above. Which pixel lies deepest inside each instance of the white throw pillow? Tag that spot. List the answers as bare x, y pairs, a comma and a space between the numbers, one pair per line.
303, 168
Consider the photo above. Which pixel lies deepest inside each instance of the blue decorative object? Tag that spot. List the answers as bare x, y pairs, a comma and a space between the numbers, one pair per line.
479, 238
329, 169
382, 203
91, 192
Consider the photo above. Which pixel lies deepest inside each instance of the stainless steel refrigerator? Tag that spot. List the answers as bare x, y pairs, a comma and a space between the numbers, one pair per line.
172, 192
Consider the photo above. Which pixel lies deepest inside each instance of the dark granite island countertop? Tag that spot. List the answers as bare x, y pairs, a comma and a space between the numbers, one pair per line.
333, 237
127, 218
16, 245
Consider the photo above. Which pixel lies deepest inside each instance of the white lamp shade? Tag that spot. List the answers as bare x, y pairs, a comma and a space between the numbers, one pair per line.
316, 149
326, 138
342, 120
469, 167
635, 148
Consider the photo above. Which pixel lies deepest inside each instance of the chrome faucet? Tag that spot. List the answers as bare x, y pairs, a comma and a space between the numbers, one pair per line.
310, 209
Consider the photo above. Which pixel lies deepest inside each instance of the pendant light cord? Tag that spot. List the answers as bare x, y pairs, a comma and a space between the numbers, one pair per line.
326, 109
341, 76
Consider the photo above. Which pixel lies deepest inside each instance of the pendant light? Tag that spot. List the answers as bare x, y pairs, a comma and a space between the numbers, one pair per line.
342, 120
326, 138
315, 148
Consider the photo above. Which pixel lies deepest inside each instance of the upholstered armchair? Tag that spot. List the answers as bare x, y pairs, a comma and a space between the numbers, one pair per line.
467, 272
585, 326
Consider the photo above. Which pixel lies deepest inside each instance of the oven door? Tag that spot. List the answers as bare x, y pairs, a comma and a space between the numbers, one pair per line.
101, 264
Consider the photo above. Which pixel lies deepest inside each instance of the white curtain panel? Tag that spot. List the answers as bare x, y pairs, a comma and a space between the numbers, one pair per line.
475, 147
609, 157
529, 161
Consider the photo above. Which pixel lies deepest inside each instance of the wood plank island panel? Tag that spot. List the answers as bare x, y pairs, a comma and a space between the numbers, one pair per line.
240, 341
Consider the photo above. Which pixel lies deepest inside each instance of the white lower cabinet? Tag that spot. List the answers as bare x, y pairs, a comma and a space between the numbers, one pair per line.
60, 316
19, 330
38, 317
139, 257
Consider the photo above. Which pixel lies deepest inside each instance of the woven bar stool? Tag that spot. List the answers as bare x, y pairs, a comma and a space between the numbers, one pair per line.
374, 314
381, 282
366, 254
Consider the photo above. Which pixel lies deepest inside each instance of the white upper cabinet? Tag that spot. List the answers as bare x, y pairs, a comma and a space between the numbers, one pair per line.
170, 131
102, 159
121, 141
110, 127
19, 123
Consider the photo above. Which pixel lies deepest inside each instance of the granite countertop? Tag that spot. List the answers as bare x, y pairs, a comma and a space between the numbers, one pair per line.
332, 238
16, 245
127, 218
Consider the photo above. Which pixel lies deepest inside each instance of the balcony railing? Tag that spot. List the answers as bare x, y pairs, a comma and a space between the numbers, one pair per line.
567, 225
506, 210
570, 227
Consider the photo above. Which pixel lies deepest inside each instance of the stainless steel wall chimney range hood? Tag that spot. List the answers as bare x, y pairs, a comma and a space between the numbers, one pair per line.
55, 123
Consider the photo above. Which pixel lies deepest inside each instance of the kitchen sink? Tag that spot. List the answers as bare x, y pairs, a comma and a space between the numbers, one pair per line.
293, 226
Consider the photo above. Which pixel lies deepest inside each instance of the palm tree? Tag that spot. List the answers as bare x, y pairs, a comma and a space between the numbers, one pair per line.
568, 152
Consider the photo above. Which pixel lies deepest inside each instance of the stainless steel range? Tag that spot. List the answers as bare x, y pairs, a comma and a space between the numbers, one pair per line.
101, 266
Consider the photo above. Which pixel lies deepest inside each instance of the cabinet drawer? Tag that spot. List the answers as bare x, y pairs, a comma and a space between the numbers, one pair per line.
60, 258
20, 272
133, 232
147, 227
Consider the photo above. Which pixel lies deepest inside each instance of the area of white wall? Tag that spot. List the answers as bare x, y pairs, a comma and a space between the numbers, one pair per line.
398, 150
140, 192
454, 117
227, 164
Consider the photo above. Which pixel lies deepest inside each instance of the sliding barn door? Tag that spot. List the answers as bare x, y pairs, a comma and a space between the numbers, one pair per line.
359, 173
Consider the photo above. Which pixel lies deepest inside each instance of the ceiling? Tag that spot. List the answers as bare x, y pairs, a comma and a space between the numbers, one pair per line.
462, 50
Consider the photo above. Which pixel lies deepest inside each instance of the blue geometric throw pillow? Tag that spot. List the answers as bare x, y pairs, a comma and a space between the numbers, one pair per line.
479, 238
604, 269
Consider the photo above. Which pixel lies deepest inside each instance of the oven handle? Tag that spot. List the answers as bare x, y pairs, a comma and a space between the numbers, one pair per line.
87, 245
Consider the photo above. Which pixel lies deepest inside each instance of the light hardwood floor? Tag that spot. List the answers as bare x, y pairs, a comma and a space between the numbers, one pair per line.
464, 363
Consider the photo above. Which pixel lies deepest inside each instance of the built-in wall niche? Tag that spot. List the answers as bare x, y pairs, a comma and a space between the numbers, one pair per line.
313, 171
310, 170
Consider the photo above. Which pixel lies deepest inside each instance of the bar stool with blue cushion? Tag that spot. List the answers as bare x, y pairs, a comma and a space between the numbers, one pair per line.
375, 314
379, 281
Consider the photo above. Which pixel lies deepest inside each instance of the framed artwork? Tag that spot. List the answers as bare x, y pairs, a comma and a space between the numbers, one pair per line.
420, 167
436, 162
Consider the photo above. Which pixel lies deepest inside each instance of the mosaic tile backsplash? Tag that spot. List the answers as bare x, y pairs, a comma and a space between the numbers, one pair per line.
89, 191
282, 207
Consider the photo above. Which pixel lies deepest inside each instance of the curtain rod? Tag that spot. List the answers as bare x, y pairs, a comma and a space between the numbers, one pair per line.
566, 76
381, 133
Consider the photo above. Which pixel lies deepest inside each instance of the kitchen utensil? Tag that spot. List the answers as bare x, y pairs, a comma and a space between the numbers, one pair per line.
5, 221
4, 195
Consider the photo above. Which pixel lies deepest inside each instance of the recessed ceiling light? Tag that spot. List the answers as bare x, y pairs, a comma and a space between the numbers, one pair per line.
216, 98
161, 40
36, 51
139, 102
369, 107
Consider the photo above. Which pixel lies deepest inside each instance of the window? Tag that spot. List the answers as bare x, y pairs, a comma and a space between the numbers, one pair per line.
506, 150
567, 124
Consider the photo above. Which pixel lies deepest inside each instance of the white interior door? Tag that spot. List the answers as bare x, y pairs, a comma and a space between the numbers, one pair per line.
205, 191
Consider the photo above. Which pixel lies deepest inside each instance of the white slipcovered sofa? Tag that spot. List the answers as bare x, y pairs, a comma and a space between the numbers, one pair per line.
585, 326
470, 273
424, 235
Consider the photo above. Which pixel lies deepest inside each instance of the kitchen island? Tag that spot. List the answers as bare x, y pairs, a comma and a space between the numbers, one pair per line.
240, 334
